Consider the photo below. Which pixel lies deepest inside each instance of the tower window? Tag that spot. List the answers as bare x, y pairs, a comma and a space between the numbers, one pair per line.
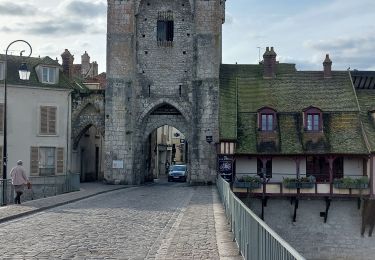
165, 31
165, 28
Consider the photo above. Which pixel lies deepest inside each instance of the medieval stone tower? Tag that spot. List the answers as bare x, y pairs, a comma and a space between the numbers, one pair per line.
163, 61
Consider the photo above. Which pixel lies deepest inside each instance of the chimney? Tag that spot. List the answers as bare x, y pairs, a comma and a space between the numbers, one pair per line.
327, 65
85, 62
67, 63
269, 64
94, 69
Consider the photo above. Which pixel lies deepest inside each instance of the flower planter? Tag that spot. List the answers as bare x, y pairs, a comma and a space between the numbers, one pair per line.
301, 185
249, 185
350, 186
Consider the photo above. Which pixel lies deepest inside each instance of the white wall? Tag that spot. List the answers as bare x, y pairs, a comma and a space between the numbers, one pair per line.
353, 166
281, 167
23, 113
246, 165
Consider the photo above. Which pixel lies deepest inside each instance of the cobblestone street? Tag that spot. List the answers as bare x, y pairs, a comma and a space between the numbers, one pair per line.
163, 221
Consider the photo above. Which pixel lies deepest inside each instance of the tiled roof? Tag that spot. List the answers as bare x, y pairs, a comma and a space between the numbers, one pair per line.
14, 62
366, 100
243, 91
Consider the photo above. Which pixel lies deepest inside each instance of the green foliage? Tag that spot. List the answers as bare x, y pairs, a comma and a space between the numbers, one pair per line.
310, 179
250, 179
348, 182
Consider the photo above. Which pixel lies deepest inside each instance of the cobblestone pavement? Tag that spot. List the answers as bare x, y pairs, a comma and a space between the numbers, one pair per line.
164, 221
339, 238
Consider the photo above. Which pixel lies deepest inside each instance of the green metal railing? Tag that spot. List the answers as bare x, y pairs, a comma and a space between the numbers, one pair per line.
255, 239
42, 187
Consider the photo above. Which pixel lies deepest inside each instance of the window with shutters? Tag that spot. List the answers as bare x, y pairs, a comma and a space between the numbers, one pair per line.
48, 75
1, 118
34, 161
46, 161
48, 120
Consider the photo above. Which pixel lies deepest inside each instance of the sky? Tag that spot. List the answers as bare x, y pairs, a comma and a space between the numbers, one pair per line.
301, 31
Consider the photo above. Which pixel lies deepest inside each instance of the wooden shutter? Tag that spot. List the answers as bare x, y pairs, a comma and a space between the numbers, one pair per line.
43, 120
34, 161
48, 120
60, 160
52, 120
1, 118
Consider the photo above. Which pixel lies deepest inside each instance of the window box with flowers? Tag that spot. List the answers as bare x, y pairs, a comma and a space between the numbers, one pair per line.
301, 183
247, 182
351, 183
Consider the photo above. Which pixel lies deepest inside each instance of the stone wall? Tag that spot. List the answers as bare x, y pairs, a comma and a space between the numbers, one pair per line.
144, 75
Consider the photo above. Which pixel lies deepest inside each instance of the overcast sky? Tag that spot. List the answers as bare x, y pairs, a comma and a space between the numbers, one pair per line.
302, 31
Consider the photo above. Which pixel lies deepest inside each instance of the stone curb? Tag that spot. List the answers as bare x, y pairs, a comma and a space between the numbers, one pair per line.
39, 209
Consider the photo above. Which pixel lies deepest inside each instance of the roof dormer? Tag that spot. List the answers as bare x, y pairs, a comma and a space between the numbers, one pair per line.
47, 74
312, 119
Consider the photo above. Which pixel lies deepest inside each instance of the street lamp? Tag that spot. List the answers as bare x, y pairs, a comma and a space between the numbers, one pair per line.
24, 74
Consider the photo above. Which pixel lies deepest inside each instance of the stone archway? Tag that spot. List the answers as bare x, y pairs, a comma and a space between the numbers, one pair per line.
161, 115
88, 136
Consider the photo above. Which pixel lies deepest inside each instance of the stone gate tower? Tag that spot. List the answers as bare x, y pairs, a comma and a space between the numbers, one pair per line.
163, 61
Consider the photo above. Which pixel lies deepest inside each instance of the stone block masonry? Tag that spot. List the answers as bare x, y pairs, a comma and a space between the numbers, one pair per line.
146, 72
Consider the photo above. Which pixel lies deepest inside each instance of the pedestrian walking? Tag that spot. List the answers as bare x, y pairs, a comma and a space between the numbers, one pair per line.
19, 180
167, 164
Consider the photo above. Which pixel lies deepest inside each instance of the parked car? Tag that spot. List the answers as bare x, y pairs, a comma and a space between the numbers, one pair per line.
178, 172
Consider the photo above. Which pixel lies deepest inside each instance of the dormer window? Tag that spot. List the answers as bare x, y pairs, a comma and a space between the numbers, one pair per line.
48, 75
2, 70
313, 122
267, 122
313, 119
266, 119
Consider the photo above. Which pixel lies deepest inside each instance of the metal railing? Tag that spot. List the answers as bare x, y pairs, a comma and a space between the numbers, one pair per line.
255, 239
43, 186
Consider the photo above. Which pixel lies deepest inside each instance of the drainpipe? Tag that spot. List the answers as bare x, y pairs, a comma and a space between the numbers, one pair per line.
68, 134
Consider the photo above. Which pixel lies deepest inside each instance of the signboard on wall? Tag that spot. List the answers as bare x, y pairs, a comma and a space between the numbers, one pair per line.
117, 164
225, 165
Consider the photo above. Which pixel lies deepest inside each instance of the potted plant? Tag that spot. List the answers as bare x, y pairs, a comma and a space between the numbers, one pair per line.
302, 183
248, 182
351, 183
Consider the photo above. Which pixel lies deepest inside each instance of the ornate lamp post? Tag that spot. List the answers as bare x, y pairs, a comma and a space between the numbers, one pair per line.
24, 74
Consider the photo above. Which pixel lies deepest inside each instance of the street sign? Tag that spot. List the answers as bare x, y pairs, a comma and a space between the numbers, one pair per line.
118, 164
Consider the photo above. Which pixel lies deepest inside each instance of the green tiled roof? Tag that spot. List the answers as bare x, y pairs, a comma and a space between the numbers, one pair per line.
14, 62
344, 133
247, 142
243, 91
290, 133
366, 100
228, 110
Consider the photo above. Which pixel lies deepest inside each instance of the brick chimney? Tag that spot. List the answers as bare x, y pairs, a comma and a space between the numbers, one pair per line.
67, 63
269, 64
327, 65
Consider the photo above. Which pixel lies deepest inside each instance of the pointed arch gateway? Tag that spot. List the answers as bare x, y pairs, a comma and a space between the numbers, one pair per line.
161, 115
